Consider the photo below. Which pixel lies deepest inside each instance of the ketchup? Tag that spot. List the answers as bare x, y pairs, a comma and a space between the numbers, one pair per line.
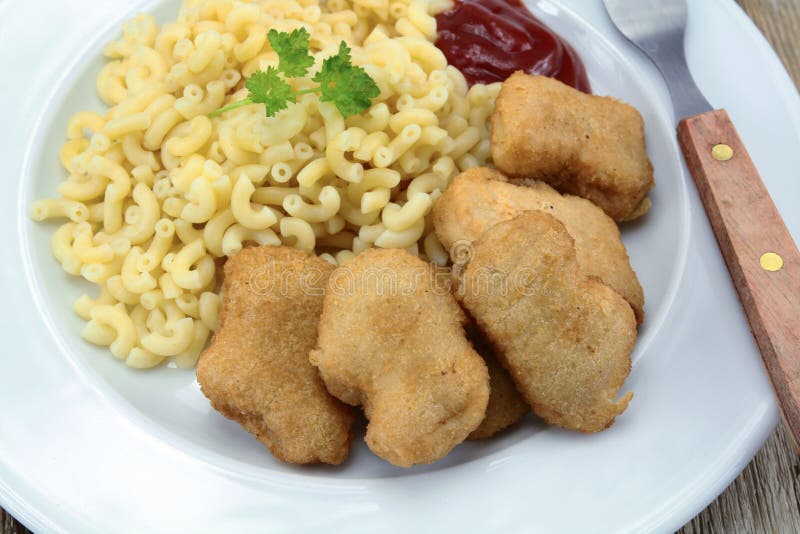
488, 40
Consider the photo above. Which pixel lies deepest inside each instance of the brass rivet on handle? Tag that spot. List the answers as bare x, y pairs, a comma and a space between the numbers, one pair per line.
771, 261
722, 152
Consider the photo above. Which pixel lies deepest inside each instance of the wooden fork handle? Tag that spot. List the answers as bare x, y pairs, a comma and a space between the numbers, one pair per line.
762, 258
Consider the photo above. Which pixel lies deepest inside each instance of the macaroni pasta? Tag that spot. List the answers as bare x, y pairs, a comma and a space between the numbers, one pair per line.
157, 194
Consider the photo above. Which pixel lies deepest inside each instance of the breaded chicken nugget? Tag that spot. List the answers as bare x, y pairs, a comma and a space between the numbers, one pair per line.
590, 146
506, 406
391, 340
256, 370
480, 198
565, 338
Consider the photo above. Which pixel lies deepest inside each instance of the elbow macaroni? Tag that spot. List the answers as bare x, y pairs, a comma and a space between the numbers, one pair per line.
157, 191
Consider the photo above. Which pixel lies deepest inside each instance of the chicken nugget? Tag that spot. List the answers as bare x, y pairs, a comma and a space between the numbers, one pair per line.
391, 340
565, 338
586, 145
256, 370
506, 406
480, 198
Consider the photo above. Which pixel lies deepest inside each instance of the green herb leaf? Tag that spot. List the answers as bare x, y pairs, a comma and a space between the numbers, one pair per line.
269, 89
293, 51
350, 88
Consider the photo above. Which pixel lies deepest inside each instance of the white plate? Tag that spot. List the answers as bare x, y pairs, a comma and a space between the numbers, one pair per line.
87, 445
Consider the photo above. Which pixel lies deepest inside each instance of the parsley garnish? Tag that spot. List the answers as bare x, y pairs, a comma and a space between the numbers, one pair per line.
269, 89
292, 49
349, 87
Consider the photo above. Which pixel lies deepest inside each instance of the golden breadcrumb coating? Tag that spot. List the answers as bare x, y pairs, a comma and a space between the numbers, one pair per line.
506, 406
480, 198
391, 340
256, 370
586, 145
565, 338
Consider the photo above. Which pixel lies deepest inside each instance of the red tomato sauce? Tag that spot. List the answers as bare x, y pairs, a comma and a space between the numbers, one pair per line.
488, 40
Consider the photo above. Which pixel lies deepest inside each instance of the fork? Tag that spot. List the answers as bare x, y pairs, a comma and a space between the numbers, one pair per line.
762, 258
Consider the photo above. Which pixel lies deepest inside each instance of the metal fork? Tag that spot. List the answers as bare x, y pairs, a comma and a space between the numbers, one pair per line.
762, 258
661, 38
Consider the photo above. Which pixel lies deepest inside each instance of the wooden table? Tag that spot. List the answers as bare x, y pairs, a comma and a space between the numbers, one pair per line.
766, 496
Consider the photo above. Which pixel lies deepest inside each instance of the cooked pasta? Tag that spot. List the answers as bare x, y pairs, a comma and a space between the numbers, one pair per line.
157, 192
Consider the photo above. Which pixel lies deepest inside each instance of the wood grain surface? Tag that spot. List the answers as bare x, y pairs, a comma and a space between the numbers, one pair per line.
748, 229
766, 496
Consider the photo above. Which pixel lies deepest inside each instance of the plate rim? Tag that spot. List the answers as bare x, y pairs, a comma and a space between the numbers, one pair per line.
35, 519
